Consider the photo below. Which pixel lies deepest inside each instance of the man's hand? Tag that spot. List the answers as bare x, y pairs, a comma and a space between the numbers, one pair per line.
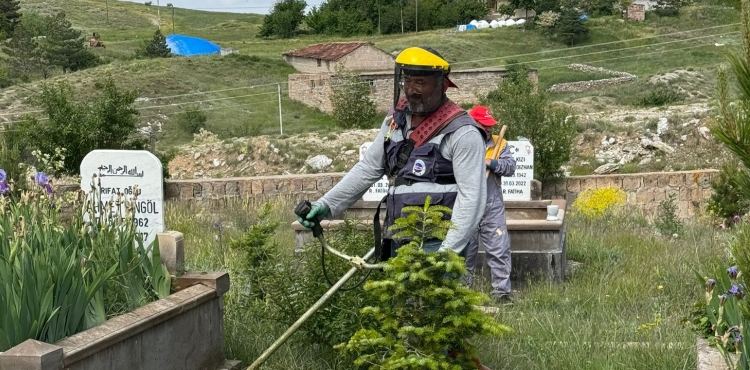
317, 214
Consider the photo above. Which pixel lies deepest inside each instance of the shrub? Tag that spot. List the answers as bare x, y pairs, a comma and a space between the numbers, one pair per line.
726, 200
667, 222
352, 106
155, 48
661, 94
424, 314
192, 120
550, 129
597, 203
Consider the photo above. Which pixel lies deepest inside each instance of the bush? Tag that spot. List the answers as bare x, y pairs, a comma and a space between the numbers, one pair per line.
597, 203
105, 122
667, 222
352, 106
192, 120
424, 314
661, 94
727, 201
550, 129
284, 19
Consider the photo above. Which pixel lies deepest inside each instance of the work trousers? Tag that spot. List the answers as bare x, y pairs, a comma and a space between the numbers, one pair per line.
493, 233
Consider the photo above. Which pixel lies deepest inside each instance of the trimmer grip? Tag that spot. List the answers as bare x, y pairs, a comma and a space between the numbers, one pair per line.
302, 209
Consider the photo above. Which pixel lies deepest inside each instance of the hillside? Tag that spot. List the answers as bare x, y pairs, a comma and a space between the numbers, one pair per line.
239, 93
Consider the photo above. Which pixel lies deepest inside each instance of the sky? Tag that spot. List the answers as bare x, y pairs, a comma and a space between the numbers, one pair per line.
233, 6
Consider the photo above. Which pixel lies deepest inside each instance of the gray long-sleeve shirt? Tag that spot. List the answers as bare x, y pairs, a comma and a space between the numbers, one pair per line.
464, 148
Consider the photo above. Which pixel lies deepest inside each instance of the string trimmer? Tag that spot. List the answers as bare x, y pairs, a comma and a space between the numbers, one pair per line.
302, 209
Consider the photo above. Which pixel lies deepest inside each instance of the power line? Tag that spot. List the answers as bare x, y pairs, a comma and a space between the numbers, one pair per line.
592, 45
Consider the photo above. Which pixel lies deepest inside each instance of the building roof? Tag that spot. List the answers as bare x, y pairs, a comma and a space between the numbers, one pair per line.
327, 51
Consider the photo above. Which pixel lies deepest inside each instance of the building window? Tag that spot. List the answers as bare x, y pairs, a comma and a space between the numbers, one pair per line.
371, 82
319, 63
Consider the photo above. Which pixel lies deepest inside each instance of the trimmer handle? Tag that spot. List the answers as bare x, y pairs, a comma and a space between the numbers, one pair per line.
302, 209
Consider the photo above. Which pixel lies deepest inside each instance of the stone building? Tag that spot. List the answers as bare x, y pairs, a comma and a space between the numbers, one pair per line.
314, 89
636, 12
350, 56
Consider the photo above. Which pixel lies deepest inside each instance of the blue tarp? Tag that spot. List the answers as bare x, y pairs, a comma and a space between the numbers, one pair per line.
189, 46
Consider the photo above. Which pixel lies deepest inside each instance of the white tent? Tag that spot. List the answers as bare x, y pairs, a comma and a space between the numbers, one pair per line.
494, 24
474, 22
509, 22
483, 24
521, 21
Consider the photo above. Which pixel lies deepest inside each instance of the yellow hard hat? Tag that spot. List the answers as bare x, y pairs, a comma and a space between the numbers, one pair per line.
423, 59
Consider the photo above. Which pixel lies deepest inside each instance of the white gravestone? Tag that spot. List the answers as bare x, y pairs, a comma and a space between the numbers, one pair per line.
518, 186
379, 189
120, 171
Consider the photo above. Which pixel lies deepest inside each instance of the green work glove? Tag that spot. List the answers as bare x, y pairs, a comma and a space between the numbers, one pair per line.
317, 213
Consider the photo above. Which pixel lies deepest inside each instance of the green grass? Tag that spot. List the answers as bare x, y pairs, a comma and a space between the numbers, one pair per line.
587, 322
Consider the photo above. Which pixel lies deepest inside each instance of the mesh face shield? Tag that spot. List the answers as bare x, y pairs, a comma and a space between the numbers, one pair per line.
423, 90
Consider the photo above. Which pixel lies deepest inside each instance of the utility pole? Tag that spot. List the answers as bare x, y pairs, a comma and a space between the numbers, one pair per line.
416, 15
106, 6
379, 32
172, 6
158, 15
281, 124
402, 17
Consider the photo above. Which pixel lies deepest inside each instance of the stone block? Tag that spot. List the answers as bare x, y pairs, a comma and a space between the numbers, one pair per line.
218, 281
171, 191
588, 183
662, 180
186, 191
324, 183
283, 186
172, 251
269, 187
218, 189
676, 180
257, 187
696, 194
631, 182
573, 185
650, 181
232, 188
684, 194
644, 196
707, 194
309, 184
32, 355
672, 192
608, 181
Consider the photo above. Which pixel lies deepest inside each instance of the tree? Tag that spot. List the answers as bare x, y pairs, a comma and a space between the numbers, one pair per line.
10, 16
64, 46
531, 115
352, 106
284, 19
107, 122
25, 57
668, 8
425, 315
192, 120
156, 48
570, 27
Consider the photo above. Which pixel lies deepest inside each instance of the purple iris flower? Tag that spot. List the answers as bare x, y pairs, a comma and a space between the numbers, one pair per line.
733, 272
736, 218
41, 179
710, 284
3, 175
738, 339
736, 291
3, 183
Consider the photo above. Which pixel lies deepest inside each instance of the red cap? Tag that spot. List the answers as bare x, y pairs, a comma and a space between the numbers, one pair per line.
482, 115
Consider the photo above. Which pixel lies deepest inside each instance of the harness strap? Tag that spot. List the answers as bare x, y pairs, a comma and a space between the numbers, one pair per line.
434, 123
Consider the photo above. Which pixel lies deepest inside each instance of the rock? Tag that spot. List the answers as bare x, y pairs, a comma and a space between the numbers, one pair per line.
605, 143
644, 161
350, 152
627, 158
276, 150
683, 137
607, 168
319, 162
240, 157
217, 162
663, 126
704, 131
197, 155
611, 140
655, 144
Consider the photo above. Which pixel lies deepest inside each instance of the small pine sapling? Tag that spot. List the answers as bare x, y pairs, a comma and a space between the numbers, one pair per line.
425, 315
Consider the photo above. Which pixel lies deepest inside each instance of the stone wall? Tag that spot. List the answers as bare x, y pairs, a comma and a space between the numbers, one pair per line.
620, 77
690, 188
315, 89
636, 12
646, 190
367, 58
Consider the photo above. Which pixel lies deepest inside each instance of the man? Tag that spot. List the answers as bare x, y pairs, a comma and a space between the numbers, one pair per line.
492, 228
427, 146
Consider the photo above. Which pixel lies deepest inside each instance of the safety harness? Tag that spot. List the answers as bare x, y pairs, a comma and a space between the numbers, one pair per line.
426, 130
